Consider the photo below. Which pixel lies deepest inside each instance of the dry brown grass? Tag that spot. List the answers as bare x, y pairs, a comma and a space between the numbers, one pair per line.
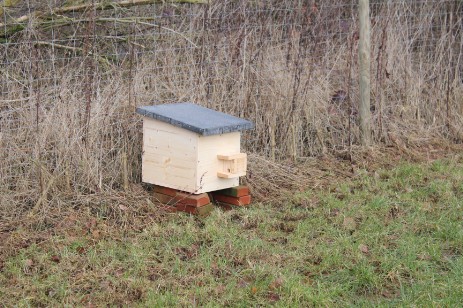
67, 117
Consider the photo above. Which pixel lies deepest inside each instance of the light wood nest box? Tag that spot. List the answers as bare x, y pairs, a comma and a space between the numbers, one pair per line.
192, 148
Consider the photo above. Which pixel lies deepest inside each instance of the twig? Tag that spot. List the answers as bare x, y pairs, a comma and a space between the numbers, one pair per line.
98, 6
102, 59
66, 21
7, 4
147, 24
125, 172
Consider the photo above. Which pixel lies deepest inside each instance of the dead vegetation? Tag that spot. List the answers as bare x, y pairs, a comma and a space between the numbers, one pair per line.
389, 237
69, 84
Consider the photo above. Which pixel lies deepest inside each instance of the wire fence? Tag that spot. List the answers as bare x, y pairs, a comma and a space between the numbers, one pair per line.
72, 74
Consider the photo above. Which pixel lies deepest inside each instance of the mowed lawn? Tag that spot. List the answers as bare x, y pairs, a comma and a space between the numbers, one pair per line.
392, 237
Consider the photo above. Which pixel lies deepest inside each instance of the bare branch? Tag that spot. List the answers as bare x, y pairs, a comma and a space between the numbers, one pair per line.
6, 5
103, 60
18, 24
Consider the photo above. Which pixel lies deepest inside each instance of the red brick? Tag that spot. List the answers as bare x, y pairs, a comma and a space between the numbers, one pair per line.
170, 209
192, 200
243, 200
185, 208
165, 190
200, 211
165, 199
237, 191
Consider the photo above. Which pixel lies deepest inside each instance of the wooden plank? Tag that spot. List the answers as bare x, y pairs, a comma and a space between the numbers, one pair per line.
170, 171
187, 156
159, 139
232, 157
232, 165
177, 170
169, 156
228, 175
162, 126
208, 163
176, 178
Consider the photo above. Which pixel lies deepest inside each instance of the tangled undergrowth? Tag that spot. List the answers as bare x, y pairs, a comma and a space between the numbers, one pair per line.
306, 217
133, 211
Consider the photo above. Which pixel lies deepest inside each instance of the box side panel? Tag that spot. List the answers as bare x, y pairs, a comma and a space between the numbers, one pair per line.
169, 155
208, 163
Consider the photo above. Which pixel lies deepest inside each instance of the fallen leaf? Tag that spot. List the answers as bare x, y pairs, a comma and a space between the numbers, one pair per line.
220, 289
200, 283
304, 203
349, 223
426, 207
253, 290
193, 251
105, 284
424, 257
388, 294
364, 248
317, 260
51, 293
28, 263
242, 283
273, 297
55, 259
276, 284
120, 271
334, 212
96, 233
307, 280
91, 223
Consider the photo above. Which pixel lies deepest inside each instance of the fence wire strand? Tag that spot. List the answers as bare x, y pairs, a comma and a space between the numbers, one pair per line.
70, 80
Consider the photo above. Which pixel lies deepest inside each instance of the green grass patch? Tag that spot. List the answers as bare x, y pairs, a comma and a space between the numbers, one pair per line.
390, 238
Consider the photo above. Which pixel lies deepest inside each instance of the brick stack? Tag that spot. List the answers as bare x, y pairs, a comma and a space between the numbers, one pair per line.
231, 197
194, 204
201, 204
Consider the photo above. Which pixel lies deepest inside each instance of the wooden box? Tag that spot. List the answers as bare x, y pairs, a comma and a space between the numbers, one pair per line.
192, 148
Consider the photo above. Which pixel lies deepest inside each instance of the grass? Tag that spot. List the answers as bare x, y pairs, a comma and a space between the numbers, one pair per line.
387, 238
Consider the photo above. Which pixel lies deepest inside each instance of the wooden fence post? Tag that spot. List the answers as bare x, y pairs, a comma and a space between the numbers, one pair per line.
364, 63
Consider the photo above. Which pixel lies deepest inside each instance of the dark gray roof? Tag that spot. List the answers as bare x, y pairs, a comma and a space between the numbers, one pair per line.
196, 118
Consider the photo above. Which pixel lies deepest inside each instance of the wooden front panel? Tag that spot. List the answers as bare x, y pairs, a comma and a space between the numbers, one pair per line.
209, 164
169, 155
